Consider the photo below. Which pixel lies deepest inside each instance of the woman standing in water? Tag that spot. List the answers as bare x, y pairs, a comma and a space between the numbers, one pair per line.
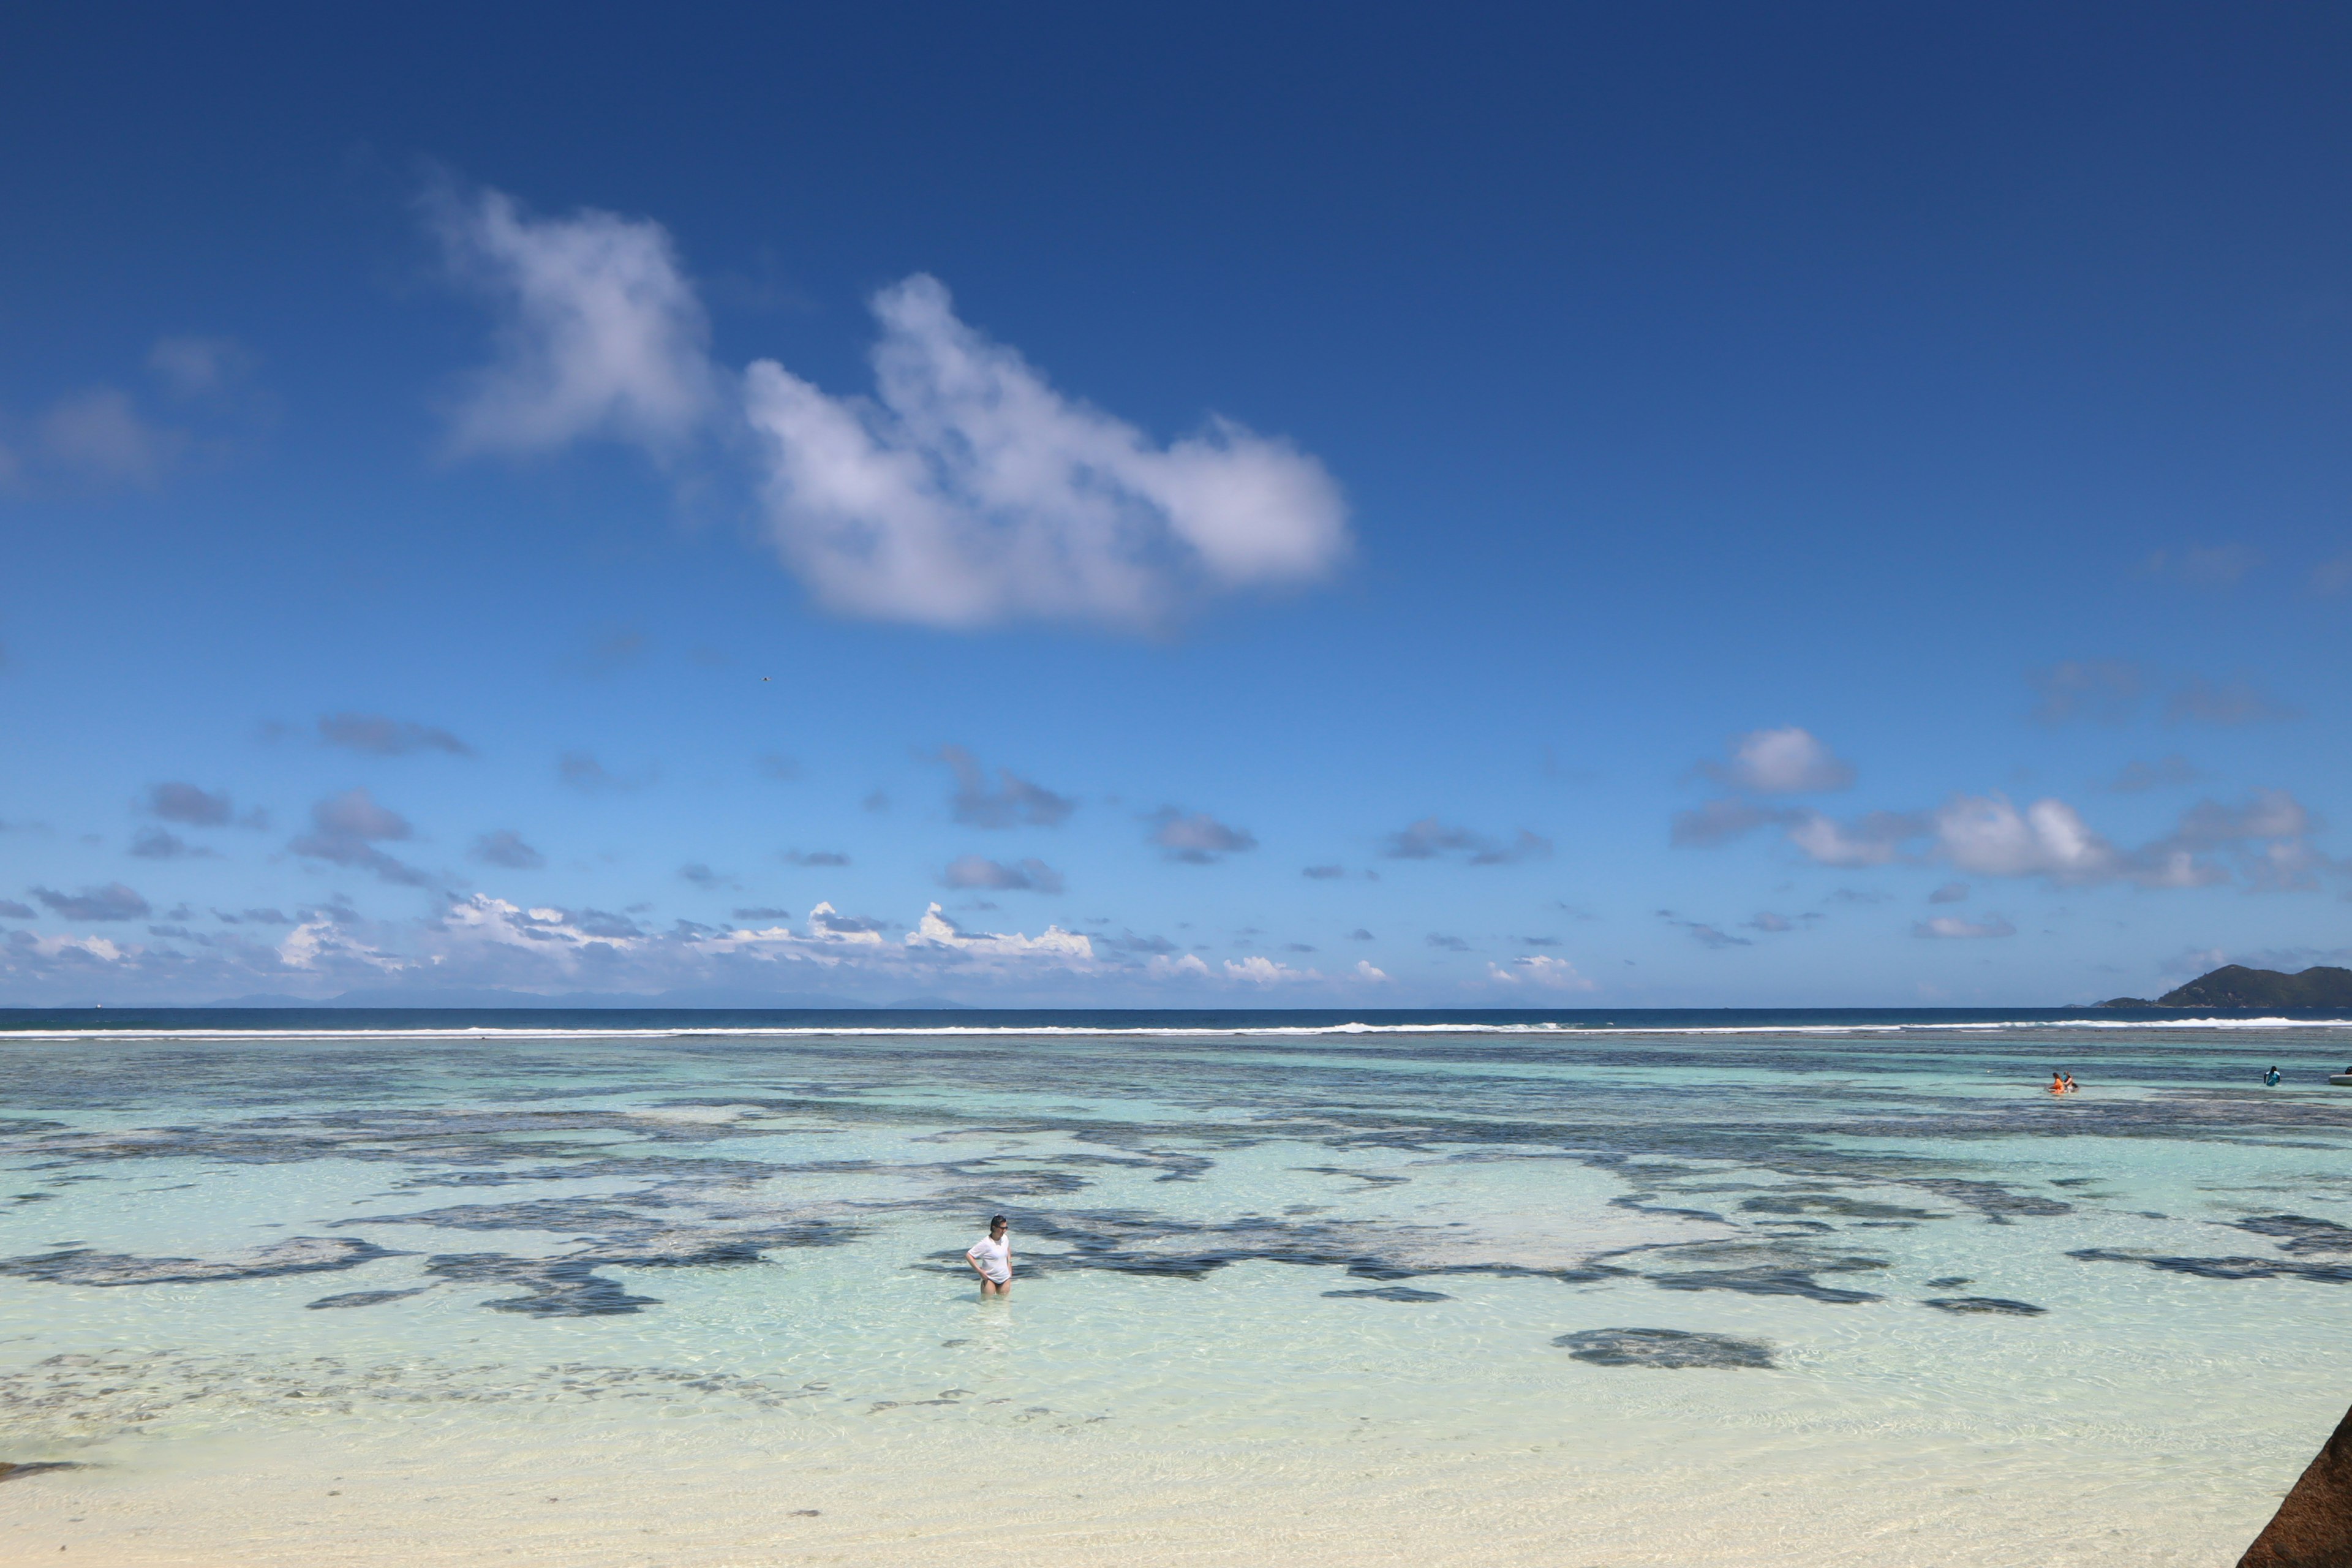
991, 1259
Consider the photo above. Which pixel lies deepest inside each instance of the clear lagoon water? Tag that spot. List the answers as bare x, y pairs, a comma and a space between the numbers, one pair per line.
1576, 1288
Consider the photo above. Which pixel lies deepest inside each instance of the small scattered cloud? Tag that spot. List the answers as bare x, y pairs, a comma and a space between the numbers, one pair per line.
113, 901
583, 771
1360, 934
1990, 836
1323, 873
1857, 896
978, 871
814, 857
608, 652
703, 877
375, 736
1195, 837
163, 844
1875, 839
1949, 893
2138, 777
1450, 943
779, 767
194, 808
11, 909
875, 800
1538, 942
505, 848
1540, 970
346, 828
2229, 703
1705, 935
1267, 971
2203, 566
1013, 801
100, 437
1786, 761
1719, 821
828, 921
2105, 691
1768, 921
1430, 839
1954, 926
762, 912
1299, 947
197, 367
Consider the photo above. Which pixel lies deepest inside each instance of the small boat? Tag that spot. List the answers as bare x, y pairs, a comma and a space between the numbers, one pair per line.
2340, 1079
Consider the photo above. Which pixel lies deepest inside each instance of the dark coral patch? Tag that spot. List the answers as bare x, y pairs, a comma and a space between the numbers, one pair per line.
296, 1255
1673, 1349
1993, 1304
363, 1298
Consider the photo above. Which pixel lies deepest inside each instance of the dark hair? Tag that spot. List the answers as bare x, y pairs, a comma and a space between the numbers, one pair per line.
996, 1219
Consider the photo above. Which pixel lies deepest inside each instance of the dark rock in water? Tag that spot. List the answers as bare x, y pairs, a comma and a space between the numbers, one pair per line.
1985, 1304
1394, 1293
2313, 1528
10, 1472
363, 1298
1951, 1281
1670, 1348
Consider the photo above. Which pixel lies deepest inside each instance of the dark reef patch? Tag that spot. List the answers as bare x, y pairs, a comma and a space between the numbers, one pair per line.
569, 1286
1371, 1178
1787, 1267
1951, 1281
1392, 1293
1673, 1349
2301, 1233
552, 1287
363, 1298
1810, 1204
1992, 1304
1997, 1204
2224, 1267
296, 1255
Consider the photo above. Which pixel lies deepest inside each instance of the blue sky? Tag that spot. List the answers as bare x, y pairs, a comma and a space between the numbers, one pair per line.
1322, 507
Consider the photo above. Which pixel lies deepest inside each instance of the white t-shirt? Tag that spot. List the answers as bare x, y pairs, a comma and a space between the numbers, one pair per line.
995, 1257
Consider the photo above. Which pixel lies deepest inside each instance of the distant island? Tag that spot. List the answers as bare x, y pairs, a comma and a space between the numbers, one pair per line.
2233, 985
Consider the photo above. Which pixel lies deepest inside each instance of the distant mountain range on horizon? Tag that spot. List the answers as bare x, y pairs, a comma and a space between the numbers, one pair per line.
2235, 987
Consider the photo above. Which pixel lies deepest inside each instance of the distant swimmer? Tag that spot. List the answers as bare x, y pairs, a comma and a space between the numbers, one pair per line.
991, 1259
2070, 1083
2057, 1082
2271, 1079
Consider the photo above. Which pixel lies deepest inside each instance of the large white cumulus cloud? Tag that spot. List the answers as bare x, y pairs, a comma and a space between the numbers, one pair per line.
969, 490
965, 491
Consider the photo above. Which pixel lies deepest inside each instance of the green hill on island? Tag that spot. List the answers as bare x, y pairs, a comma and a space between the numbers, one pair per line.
2233, 985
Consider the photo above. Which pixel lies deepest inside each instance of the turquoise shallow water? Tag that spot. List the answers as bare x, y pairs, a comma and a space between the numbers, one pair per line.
1844, 1294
